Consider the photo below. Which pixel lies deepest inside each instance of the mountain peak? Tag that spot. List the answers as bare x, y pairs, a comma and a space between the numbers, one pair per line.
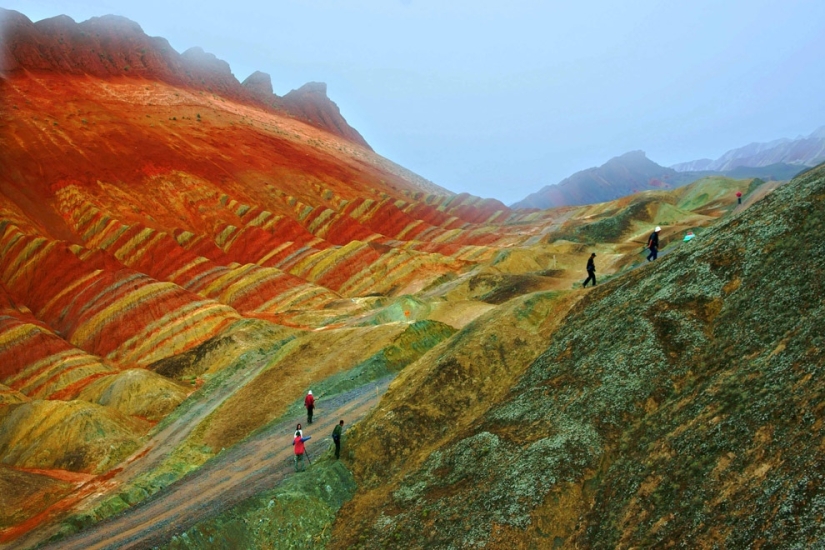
196, 57
819, 133
631, 158
312, 88
633, 155
310, 102
802, 151
623, 175
259, 83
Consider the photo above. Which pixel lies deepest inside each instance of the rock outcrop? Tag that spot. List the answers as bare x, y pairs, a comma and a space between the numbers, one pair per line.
259, 83
310, 102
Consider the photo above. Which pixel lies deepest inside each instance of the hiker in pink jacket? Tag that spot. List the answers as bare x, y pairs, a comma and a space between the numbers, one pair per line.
300, 451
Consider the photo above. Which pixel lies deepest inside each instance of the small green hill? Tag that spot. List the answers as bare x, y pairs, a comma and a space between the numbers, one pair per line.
697, 204
714, 192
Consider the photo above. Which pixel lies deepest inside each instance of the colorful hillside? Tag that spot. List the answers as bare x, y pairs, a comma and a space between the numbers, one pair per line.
679, 404
182, 257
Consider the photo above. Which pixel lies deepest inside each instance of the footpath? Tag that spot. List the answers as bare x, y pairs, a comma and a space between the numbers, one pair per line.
254, 465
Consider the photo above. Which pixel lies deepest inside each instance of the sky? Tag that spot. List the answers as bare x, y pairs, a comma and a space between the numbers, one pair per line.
499, 99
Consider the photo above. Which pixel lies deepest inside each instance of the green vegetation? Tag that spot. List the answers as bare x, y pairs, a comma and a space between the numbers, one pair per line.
678, 404
416, 340
297, 514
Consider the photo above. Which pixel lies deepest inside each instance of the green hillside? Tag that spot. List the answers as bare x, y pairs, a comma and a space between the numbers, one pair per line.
681, 403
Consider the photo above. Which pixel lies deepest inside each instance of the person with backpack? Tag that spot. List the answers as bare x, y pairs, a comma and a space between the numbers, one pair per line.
653, 244
309, 403
336, 437
591, 271
300, 450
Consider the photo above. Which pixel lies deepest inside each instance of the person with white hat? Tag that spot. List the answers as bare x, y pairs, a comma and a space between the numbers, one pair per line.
653, 244
309, 403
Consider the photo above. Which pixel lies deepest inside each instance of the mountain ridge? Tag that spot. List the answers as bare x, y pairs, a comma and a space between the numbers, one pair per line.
632, 173
804, 151
115, 46
620, 176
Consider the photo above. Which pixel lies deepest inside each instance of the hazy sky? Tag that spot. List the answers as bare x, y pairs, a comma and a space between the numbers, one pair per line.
501, 98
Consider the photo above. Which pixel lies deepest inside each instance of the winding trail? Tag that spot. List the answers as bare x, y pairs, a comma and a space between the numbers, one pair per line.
254, 465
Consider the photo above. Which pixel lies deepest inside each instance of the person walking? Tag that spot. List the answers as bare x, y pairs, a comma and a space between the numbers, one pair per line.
591, 271
653, 244
300, 450
299, 430
739, 197
309, 403
336, 437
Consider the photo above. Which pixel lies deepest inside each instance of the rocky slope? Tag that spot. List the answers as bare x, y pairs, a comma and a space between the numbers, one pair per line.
681, 403
802, 151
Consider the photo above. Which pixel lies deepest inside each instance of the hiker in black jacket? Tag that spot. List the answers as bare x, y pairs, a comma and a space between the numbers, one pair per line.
653, 244
591, 271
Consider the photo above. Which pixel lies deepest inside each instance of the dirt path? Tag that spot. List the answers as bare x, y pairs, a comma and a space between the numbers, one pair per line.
255, 465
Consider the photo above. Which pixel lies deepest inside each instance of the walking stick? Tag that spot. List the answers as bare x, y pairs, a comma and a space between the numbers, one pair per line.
306, 452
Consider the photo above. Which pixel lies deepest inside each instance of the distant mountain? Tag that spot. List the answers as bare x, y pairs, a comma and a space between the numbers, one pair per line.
779, 171
618, 177
802, 151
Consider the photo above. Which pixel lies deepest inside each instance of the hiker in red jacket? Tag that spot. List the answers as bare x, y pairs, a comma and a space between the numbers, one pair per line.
309, 403
300, 451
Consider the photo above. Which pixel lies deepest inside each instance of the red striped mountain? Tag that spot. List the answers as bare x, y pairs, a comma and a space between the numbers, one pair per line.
183, 256
150, 203
618, 177
112, 46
